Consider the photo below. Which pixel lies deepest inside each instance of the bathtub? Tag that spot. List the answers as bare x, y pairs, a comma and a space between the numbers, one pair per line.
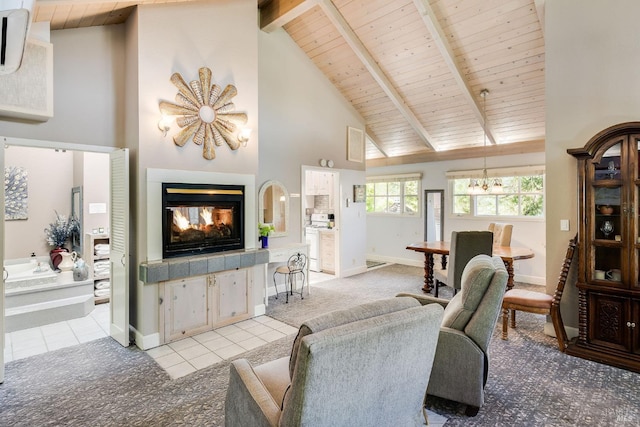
35, 295
26, 273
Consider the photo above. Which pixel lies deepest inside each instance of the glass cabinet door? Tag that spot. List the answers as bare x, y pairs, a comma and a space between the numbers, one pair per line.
634, 214
609, 226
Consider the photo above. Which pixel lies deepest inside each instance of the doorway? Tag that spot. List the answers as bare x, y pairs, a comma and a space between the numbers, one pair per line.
433, 215
321, 221
62, 181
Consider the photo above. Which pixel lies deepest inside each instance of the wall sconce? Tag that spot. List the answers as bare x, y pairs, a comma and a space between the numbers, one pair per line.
164, 124
326, 163
243, 135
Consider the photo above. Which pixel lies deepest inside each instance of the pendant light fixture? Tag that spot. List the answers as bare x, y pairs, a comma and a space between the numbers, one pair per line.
482, 186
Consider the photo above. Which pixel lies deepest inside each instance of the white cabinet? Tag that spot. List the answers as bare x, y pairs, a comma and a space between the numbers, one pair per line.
319, 183
328, 251
198, 304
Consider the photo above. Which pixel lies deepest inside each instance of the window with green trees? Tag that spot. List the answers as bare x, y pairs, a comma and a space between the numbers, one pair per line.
518, 196
394, 195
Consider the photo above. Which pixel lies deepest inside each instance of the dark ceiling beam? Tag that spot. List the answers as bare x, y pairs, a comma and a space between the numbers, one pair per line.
277, 13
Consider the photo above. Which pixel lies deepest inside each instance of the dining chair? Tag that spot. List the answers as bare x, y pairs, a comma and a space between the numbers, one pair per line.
501, 233
464, 246
540, 302
294, 269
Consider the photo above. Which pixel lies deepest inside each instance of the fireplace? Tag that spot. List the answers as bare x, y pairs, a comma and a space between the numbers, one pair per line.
201, 218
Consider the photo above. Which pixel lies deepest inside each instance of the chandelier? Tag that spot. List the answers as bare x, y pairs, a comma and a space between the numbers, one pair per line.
479, 186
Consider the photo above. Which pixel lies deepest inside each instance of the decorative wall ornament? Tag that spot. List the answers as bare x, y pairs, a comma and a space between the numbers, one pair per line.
206, 113
355, 145
15, 193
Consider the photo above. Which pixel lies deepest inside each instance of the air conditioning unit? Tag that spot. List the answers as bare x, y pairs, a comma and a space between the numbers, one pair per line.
15, 20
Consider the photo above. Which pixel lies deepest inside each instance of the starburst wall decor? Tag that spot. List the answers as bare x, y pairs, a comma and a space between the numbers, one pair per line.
206, 113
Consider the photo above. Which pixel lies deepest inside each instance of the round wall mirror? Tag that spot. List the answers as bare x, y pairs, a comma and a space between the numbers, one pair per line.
273, 207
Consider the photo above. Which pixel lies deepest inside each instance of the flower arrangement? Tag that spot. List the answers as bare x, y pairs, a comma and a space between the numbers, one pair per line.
59, 231
265, 229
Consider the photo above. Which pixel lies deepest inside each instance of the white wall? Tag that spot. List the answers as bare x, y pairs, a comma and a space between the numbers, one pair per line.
170, 38
88, 90
592, 58
303, 119
95, 190
50, 179
388, 237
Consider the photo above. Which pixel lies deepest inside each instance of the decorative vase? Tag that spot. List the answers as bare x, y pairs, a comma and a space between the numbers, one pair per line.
67, 262
80, 270
265, 241
56, 256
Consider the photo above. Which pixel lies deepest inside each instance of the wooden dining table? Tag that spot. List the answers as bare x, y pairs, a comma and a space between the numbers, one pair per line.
509, 254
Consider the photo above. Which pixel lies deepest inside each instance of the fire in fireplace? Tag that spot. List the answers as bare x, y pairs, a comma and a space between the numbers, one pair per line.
201, 218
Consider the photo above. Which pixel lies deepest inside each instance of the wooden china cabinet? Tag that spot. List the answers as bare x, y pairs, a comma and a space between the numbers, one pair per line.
609, 251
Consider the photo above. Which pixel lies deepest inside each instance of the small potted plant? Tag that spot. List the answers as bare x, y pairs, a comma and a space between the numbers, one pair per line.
265, 230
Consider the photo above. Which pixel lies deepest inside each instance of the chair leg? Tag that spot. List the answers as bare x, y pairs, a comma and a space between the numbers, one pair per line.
558, 326
513, 319
472, 411
437, 284
505, 321
275, 285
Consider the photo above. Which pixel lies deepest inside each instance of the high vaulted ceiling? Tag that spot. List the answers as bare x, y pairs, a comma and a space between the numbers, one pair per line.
413, 69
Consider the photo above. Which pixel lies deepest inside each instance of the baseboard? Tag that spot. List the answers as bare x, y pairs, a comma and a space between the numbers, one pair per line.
353, 271
549, 330
534, 280
394, 260
259, 310
145, 342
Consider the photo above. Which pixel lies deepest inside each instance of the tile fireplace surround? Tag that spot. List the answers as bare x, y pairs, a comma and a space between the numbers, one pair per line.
197, 265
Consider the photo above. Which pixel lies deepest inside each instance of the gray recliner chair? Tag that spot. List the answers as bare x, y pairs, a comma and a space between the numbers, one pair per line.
461, 364
464, 246
354, 367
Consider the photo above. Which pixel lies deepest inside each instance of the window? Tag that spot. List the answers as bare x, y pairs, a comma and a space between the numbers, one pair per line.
394, 194
522, 194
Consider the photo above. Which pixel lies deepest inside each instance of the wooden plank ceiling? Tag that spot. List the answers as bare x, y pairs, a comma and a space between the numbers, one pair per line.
413, 69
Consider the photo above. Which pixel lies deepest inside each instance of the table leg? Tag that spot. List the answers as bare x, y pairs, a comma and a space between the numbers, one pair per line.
509, 266
428, 273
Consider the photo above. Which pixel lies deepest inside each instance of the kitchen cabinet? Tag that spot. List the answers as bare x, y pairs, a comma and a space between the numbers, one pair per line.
319, 183
609, 248
328, 251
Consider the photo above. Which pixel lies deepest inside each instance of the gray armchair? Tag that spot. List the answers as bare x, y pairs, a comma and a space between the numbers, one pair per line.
461, 364
464, 246
355, 367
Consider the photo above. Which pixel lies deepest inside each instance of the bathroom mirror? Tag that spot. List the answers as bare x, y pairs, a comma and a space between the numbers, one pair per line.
76, 212
273, 207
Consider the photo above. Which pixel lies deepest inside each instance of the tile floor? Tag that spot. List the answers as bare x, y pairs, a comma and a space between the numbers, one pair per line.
29, 342
183, 357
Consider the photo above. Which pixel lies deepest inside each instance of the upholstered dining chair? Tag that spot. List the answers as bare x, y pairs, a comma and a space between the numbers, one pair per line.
501, 233
540, 302
293, 270
464, 246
